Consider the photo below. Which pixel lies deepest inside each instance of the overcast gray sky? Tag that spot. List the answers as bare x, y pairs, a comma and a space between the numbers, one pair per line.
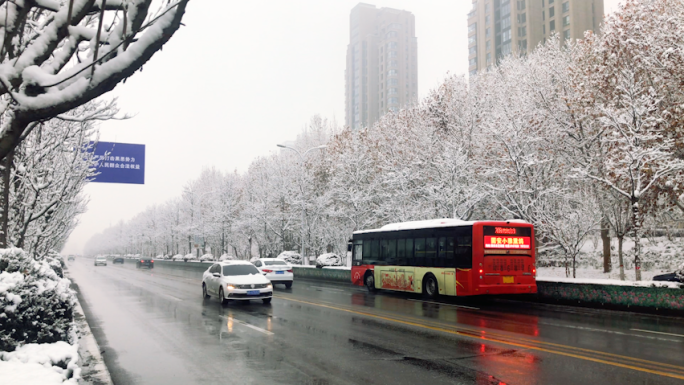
241, 77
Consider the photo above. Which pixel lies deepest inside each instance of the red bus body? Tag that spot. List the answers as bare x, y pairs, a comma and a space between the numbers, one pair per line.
503, 261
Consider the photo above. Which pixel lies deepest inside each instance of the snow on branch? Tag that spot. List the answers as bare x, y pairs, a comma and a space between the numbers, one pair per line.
59, 58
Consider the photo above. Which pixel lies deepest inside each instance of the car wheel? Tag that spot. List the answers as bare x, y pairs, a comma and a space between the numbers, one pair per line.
266, 301
369, 280
222, 299
288, 285
204, 291
430, 288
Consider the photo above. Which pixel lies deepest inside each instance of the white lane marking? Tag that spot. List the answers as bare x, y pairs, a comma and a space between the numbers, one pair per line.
445, 304
650, 331
248, 325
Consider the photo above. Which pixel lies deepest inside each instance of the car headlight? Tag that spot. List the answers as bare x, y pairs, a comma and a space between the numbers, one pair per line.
230, 287
269, 286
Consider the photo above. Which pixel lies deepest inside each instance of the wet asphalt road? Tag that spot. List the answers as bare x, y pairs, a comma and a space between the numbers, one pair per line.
155, 328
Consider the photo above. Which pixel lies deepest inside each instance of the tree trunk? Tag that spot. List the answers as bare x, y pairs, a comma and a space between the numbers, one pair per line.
620, 261
4, 215
637, 235
605, 237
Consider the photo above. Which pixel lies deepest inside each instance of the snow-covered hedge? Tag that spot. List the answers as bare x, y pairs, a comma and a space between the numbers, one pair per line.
36, 304
54, 363
226, 257
207, 257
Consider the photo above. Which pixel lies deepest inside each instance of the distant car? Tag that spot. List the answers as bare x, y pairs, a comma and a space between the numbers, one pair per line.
276, 270
71, 258
145, 262
236, 280
118, 260
100, 261
328, 259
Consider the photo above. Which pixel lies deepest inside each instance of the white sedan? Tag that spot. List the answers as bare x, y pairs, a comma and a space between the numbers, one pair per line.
100, 261
236, 280
277, 270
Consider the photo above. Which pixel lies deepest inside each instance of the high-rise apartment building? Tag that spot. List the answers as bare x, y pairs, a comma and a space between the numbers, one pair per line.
497, 28
382, 63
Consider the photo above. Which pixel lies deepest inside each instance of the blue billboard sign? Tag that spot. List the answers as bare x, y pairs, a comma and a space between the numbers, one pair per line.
119, 162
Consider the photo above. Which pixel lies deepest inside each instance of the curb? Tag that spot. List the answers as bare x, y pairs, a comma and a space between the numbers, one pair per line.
93, 368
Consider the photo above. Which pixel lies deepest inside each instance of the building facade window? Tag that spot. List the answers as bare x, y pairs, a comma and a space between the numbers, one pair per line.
522, 31
566, 6
544, 29
487, 32
472, 50
566, 21
505, 22
472, 62
487, 20
472, 28
522, 18
506, 36
489, 58
392, 73
521, 5
552, 25
552, 12
391, 34
472, 40
488, 45
566, 34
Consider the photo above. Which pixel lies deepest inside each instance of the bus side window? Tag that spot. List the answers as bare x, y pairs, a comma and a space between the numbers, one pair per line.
431, 252
401, 252
358, 250
375, 250
366, 251
383, 249
464, 252
420, 251
391, 252
410, 258
446, 252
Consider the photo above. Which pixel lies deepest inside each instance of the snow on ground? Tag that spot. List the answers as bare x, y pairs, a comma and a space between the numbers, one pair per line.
659, 256
41, 364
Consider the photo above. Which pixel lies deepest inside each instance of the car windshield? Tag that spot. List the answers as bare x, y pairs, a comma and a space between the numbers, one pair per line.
277, 263
240, 270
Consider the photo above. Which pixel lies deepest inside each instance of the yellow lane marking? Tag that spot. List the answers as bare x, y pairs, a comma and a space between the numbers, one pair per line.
518, 344
478, 332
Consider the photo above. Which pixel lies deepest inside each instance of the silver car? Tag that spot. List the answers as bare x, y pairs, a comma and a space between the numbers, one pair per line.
276, 270
101, 261
236, 280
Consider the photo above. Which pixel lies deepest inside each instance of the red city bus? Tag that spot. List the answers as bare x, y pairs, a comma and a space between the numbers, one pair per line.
446, 257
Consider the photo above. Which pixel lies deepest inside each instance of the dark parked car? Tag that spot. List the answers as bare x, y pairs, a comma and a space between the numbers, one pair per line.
118, 260
145, 262
672, 277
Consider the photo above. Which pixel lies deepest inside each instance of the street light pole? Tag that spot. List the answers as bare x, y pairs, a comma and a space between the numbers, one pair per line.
301, 158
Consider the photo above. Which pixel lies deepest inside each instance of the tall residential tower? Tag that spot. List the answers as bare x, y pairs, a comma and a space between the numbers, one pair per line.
496, 28
382, 64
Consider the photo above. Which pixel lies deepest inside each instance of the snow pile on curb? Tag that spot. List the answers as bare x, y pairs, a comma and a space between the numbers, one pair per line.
36, 321
46, 364
614, 282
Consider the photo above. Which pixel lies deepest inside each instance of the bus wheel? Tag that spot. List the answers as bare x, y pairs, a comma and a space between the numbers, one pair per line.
430, 288
369, 280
